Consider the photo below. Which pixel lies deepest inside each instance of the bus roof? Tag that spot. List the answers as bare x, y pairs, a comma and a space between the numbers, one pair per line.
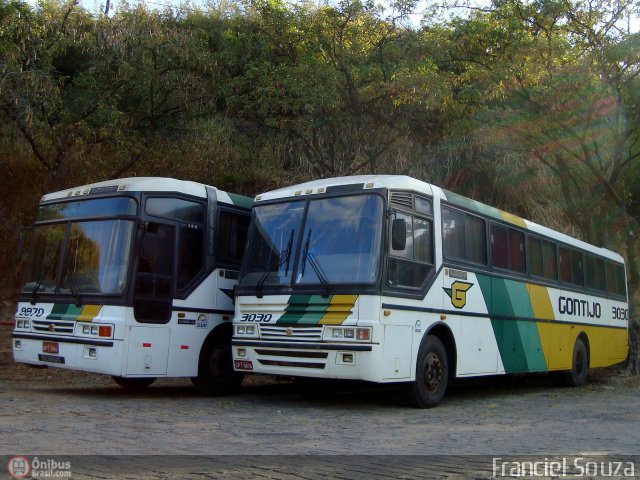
403, 182
148, 184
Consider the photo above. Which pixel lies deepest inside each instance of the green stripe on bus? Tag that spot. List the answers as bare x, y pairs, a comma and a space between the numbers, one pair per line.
305, 309
518, 341
240, 201
63, 311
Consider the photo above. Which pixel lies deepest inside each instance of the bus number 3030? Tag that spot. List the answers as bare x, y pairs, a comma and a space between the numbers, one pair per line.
256, 317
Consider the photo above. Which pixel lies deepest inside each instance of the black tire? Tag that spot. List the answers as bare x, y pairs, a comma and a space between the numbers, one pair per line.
134, 383
432, 374
577, 376
215, 369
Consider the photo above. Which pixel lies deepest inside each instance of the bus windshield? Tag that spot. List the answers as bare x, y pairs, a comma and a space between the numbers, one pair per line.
89, 257
337, 241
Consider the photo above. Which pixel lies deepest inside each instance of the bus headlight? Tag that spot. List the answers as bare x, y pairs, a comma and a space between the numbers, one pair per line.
360, 334
22, 324
246, 330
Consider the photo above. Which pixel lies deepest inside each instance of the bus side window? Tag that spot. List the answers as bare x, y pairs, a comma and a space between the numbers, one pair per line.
190, 254
232, 236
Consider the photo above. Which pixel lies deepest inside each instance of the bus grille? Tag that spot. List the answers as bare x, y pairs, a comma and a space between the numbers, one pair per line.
53, 326
308, 333
291, 358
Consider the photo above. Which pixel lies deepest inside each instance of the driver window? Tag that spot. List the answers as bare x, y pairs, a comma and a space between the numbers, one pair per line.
410, 266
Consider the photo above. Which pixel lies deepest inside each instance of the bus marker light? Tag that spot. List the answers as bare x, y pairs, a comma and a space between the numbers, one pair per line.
443, 317
146, 345
387, 313
181, 315
104, 331
363, 334
184, 347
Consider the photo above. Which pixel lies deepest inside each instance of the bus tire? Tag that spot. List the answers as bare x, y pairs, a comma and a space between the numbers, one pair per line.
577, 376
432, 374
134, 383
216, 375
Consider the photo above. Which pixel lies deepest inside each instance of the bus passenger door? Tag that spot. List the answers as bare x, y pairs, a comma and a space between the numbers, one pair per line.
153, 291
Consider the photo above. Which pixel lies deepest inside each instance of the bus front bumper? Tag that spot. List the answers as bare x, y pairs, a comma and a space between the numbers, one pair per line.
70, 352
348, 360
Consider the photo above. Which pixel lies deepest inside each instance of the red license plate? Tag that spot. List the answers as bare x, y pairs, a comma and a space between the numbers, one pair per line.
50, 347
243, 364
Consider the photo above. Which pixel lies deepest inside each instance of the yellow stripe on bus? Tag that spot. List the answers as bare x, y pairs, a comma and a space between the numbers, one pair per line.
89, 313
559, 338
339, 309
513, 219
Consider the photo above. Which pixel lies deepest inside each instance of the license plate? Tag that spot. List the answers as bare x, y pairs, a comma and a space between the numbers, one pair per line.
50, 358
50, 347
243, 364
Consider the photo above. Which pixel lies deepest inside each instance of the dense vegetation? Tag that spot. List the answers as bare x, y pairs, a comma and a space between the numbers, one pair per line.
529, 105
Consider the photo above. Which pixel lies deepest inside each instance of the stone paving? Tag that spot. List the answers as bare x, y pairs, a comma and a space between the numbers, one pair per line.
268, 430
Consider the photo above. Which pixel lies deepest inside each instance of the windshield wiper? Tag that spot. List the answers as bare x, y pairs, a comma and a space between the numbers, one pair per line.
285, 258
317, 268
73, 287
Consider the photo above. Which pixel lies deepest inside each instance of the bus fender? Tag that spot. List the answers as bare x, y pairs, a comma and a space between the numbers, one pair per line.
444, 333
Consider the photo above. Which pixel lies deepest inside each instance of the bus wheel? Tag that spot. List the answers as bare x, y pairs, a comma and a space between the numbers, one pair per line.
432, 374
577, 376
134, 383
215, 370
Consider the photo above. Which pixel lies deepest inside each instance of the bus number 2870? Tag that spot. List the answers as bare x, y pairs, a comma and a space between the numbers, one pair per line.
256, 317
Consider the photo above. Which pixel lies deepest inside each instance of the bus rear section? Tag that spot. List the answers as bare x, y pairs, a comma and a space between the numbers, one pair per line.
133, 278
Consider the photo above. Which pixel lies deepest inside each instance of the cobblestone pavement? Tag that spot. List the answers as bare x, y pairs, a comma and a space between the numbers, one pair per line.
57, 412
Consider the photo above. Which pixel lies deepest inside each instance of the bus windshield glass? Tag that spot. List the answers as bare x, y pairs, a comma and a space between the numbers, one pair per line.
81, 257
337, 241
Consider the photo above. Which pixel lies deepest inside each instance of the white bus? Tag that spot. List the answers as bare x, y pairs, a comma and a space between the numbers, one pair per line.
134, 278
390, 279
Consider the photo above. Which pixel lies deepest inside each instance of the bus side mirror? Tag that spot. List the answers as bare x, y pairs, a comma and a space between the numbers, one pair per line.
399, 234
